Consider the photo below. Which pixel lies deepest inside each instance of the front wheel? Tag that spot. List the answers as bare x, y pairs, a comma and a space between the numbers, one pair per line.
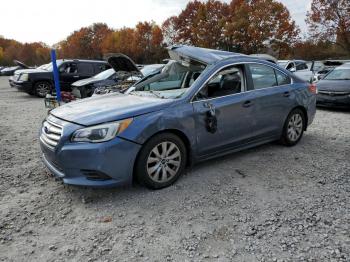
293, 128
161, 161
41, 89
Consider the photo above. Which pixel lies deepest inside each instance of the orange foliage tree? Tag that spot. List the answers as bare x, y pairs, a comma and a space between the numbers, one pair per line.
330, 20
29, 53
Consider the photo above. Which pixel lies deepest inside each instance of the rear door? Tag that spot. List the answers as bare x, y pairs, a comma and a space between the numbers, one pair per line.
85, 70
274, 99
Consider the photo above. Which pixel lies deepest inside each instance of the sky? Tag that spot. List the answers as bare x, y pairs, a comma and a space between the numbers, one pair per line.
50, 22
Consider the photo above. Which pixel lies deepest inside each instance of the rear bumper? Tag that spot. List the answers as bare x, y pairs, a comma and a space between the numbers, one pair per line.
74, 162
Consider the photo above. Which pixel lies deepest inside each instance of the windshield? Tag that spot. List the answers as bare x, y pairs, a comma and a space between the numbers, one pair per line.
104, 74
282, 64
339, 74
172, 82
149, 69
44, 67
50, 67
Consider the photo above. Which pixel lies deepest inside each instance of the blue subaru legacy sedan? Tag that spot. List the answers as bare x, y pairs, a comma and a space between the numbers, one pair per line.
203, 104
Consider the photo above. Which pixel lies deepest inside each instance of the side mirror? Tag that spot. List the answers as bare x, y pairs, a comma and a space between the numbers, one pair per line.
293, 70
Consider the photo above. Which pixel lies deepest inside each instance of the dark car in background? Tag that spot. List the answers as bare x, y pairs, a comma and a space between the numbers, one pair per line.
334, 88
109, 79
203, 104
9, 71
40, 82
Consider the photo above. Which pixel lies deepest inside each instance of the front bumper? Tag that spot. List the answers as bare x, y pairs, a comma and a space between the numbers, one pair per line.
333, 101
22, 86
73, 162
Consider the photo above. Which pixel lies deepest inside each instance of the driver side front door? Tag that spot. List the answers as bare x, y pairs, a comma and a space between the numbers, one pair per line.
223, 112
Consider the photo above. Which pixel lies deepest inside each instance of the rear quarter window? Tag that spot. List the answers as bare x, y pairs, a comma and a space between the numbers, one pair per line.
282, 79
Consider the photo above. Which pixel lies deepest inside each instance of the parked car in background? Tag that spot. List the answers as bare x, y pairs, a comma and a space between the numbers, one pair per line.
334, 88
204, 103
299, 68
9, 71
322, 68
125, 81
11, 79
122, 68
40, 82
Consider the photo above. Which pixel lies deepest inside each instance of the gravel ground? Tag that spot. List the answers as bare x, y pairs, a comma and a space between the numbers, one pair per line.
271, 203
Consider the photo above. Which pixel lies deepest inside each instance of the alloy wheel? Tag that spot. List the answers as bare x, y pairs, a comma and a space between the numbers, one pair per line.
295, 127
163, 162
42, 89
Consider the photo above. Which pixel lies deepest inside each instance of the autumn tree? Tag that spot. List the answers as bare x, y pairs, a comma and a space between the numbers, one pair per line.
330, 20
120, 41
86, 42
257, 24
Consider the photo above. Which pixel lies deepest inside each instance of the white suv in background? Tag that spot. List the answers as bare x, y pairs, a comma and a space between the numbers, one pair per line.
299, 68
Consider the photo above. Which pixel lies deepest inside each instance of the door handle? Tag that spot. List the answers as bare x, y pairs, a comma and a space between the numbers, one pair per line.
76, 76
286, 94
247, 103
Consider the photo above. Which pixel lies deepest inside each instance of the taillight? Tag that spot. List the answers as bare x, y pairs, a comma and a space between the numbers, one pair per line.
313, 89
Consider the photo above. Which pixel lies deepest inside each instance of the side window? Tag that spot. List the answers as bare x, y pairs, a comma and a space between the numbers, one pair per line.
228, 81
263, 76
69, 68
282, 79
302, 66
290, 66
101, 67
86, 68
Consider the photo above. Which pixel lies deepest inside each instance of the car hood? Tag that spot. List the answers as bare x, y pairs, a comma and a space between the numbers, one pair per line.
87, 81
20, 64
28, 71
120, 62
107, 108
334, 85
190, 54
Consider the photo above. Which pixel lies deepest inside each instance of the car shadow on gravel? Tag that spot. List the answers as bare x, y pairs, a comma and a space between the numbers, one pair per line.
197, 174
201, 173
334, 109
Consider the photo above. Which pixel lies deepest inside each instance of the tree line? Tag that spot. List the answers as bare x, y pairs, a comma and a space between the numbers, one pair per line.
245, 26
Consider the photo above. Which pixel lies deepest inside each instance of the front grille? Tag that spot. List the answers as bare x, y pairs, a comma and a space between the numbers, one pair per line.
51, 134
333, 93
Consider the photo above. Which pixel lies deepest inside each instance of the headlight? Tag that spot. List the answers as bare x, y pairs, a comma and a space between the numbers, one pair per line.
23, 77
101, 133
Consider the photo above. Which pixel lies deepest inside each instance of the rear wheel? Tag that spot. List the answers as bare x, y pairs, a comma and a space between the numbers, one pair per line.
161, 161
41, 89
293, 128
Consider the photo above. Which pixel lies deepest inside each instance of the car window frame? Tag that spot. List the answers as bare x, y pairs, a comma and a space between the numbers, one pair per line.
81, 64
249, 87
275, 69
246, 83
65, 73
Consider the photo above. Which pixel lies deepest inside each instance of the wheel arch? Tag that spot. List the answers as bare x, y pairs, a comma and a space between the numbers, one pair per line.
303, 109
179, 134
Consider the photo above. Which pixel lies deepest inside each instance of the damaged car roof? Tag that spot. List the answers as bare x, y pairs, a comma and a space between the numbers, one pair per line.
201, 55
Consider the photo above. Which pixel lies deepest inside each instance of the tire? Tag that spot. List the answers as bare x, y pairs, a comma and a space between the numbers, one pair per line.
156, 169
42, 88
294, 127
